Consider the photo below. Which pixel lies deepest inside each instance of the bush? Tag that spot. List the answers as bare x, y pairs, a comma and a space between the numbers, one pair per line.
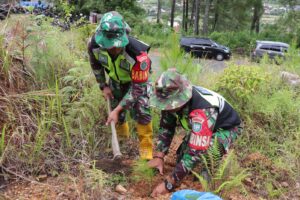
241, 42
270, 114
239, 83
286, 29
57, 121
152, 33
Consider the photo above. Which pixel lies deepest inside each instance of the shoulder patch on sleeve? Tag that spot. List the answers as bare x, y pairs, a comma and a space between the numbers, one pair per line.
200, 134
140, 71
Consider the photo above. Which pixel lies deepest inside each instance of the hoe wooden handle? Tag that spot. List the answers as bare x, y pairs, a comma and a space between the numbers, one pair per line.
114, 138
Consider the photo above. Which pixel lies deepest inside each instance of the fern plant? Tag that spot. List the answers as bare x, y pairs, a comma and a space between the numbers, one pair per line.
225, 174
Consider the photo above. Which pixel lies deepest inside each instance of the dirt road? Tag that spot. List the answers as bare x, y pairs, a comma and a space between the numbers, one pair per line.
207, 64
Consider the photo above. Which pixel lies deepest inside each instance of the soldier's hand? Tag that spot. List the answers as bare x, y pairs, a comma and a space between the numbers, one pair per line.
157, 163
159, 190
113, 116
107, 93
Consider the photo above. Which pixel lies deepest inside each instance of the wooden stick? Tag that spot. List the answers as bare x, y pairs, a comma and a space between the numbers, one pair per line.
114, 138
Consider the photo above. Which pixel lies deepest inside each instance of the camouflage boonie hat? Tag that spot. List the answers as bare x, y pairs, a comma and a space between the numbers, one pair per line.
111, 31
172, 90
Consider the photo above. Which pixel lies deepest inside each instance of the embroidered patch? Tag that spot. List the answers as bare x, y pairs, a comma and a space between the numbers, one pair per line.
124, 64
196, 126
199, 142
200, 134
139, 76
103, 59
144, 65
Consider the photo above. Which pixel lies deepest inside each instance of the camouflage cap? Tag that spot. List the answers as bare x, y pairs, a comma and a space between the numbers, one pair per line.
172, 90
111, 31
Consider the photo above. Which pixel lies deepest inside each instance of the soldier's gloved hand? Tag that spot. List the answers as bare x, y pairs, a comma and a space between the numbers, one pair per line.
107, 93
157, 163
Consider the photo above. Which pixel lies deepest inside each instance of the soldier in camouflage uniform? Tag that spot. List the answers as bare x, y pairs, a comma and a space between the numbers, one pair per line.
125, 60
204, 114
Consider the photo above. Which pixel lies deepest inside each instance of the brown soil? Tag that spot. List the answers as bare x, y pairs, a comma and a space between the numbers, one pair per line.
74, 187
114, 166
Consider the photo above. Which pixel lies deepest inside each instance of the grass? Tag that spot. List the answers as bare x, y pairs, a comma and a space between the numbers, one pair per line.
52, 120
269, 110
142, 172
2, 144
96, 179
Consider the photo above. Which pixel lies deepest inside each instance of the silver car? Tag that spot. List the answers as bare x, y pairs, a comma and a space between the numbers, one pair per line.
272, 49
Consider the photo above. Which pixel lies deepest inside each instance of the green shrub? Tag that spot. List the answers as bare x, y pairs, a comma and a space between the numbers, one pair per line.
4, 57
61, 119
152, 33
286, 29
292, 59
84, 33
241, 42
239, 83
280, 106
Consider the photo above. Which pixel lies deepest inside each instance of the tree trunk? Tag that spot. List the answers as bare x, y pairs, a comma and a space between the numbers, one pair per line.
183, 15
254, 19
192, 14
216, 18
257, 13
197, 13
257, 25
158, 11
206, 16
186, 15
172, 13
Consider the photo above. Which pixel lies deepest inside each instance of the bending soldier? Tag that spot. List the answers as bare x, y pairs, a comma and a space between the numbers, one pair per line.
204, 114
128, 66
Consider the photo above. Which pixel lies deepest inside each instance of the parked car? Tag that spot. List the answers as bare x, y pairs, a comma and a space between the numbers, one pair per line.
204, 47
272, 49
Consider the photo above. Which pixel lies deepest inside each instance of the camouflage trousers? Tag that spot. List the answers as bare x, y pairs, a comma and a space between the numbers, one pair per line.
140, 111
225, 139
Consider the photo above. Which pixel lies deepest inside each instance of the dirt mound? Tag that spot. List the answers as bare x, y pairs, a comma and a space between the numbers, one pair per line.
114, 166
142, 190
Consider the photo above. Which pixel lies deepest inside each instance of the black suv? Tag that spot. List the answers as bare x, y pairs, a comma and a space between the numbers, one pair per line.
204, 47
